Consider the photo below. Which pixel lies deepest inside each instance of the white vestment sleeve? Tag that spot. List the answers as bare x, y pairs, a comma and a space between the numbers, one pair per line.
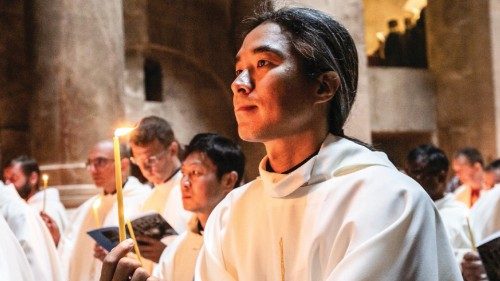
210, 262
13, 262
399, 253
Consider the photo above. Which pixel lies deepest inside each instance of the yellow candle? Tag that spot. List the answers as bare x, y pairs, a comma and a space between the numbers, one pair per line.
136, 246
282, 260
45, 179
471, 234
95, 211
118, 179
119, 191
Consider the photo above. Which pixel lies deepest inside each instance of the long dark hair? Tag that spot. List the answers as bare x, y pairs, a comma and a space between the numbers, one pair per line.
321, 44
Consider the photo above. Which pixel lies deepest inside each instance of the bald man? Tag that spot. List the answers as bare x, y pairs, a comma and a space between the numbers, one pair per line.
76, 247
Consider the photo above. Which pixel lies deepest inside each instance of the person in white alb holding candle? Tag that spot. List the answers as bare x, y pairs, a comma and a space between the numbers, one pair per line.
324, 207
78, 250
156, 151
25, 175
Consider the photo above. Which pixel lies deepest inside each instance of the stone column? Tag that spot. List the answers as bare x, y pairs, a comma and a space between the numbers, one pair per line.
495, 41
14, 81
460, 57
79, 64
350, 14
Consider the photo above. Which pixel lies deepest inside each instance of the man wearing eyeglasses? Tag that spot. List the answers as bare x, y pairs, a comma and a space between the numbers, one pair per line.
80, 254
156, 152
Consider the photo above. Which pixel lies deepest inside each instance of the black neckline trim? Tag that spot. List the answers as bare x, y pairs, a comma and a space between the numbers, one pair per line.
270, 169
172, 175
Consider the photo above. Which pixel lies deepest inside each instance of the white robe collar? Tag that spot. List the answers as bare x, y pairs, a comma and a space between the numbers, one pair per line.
336, 157
52, 194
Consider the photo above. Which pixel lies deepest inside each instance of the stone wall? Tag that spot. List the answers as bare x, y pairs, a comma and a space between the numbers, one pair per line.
402, 100
15, 84
460, 57
194, 43
78, 63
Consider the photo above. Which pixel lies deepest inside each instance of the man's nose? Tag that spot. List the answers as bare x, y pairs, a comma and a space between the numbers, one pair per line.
185, 182
243, 83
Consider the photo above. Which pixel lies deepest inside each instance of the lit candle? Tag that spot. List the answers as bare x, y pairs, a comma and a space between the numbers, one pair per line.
282, 260
471, 234
45, 179
118, 179
95, 210
136, 246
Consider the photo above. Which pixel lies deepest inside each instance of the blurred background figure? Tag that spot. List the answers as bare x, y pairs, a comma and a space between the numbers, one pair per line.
25, 176
428, 165
80, 256
492, 174
468, 166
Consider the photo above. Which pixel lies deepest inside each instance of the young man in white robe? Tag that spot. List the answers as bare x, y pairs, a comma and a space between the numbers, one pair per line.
428, 165
13, 262
324, 207
156, 152
32, 234
213, 167
25, 175
78, 250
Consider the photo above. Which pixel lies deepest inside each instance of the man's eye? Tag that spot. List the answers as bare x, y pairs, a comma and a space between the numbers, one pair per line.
262, 63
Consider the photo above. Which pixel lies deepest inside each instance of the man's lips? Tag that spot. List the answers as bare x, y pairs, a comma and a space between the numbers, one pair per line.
245, 108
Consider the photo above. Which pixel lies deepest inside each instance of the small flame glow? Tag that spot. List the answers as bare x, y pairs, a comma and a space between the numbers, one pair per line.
45, 177
97, 203
122, 131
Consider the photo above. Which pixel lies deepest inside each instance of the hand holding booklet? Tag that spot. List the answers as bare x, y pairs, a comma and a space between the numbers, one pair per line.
150, 224
489, 251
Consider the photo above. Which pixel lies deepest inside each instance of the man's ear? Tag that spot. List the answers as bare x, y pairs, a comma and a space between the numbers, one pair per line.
228, 181
125, 165
173, 148
329, 82
33, 178
442, 176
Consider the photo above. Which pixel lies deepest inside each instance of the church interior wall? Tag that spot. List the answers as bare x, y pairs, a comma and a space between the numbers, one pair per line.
15, 86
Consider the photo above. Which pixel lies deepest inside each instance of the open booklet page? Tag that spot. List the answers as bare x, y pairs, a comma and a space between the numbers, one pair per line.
149, 224
489, 250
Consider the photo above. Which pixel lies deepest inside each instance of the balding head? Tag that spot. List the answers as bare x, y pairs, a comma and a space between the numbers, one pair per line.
100, 164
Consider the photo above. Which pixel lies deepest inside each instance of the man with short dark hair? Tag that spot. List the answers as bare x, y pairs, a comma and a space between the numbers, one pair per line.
213, 167
428, 165
25, 176
156, 151
468, 166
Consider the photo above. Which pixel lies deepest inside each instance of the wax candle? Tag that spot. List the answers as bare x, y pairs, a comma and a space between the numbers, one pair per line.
282, 260
118, 179
471, 234
136, 246
95, 211
45, 179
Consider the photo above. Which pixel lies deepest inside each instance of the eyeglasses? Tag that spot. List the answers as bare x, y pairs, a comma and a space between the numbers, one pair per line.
98, 162
149, 161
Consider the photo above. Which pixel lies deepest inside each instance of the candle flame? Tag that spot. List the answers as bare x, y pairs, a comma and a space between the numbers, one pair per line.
122, 131
45, 177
